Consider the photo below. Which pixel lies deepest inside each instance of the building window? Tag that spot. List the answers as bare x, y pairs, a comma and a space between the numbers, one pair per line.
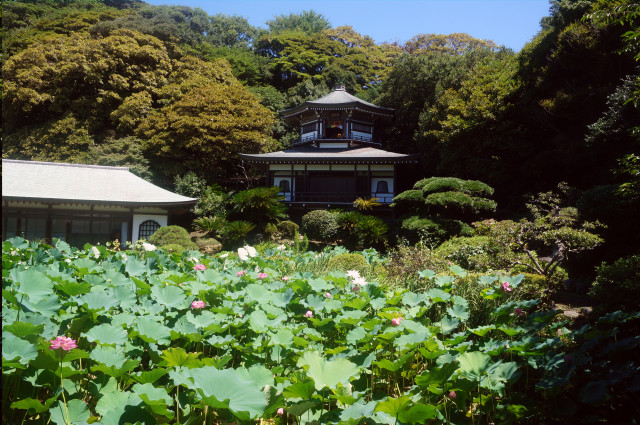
362, 128
382, 187
284, 186
147, 228
309, 128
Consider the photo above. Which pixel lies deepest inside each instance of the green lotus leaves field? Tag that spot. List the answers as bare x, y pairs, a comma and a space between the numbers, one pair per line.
187, 338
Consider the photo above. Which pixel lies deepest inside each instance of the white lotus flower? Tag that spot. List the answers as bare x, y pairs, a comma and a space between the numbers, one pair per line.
360, 281
148, 247
96, 252
354, 274
243, 254
251, 251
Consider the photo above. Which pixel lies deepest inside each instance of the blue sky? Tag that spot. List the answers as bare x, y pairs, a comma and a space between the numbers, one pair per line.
511, 23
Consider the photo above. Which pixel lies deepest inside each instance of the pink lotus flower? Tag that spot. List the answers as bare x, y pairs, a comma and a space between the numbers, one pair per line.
284, 278
356, 288
505, 287
309, 313
240, 273
280, 411
197, 304
452, 395
519, 312
327, 295
66, 343
262, 275
199, 267
396, 321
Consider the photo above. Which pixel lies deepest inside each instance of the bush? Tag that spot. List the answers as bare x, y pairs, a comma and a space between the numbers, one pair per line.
208, 246
212, 225
320, 225
287, 228
346, 262
237, 231
470, 253
170, 235
173, 247
271, 231
405, 261
617, 286
408, 201
432, 231
446, 184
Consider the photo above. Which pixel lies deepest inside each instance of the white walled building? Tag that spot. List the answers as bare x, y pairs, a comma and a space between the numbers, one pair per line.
82, 203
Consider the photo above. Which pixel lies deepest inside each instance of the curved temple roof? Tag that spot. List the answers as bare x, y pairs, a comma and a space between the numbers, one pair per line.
78, 183
324, 155
336, 100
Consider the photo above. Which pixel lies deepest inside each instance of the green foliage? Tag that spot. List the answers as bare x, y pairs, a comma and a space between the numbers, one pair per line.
320, 225
260, 205
471, 252
173, 247
170, 235
308, 22
359, 231
405, 261
212, 225
287, 228
366, 204
555, 231
189, 185
349, 261
236, 231
432, 231
453, 184
147, 354
617, 285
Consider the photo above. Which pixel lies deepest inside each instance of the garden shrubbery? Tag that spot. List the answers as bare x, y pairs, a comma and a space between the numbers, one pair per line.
175, 236
617, 285
349, 261
320, 225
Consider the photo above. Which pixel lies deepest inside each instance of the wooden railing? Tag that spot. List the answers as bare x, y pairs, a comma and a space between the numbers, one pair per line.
334, 197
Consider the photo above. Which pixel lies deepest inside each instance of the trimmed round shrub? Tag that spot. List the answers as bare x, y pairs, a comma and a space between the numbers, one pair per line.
271, 231
448, 184
173, 247
320, 225
287, 228
432, 231
348, 261
617, 286
169, 235
409, 200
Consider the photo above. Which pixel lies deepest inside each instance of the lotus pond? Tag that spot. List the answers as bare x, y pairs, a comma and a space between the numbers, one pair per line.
115, 337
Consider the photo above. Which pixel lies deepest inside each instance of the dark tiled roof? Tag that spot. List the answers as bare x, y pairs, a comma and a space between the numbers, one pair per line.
337, 99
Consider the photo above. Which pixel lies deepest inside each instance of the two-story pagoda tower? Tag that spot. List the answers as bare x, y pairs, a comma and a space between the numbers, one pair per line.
338, 156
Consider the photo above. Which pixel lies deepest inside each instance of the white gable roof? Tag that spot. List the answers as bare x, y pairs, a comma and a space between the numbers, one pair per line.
56, 182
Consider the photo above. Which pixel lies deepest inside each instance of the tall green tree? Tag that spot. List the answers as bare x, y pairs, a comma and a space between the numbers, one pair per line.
307, 22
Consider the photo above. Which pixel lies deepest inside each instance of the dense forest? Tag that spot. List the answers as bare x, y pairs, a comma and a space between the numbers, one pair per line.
168, 90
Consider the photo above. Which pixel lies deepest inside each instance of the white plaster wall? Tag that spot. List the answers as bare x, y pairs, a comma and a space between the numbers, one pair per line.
139, 218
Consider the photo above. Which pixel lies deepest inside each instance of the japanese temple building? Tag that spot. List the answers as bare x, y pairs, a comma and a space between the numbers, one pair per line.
83, 203
338, 157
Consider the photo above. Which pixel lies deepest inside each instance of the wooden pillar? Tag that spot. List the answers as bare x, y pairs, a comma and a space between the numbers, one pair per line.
355, 179
369, 189
48, 230
130, 235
